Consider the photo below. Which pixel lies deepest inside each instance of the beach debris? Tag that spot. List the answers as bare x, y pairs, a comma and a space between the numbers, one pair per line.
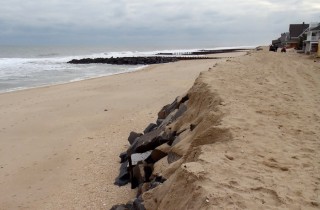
229, 157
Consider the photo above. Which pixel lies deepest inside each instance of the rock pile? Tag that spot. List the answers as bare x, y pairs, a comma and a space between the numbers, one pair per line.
134, 60
146, 149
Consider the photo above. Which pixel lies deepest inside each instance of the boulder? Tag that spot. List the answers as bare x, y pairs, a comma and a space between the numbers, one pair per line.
158, 180
147, 142
182, 109
137, 176
138, 204
167, 109
168, 120
159, 121
122, 207
150, 127
173, 157
124, 157
139, 157
124, 176
155, 156
140, 173
133, 136
176, 141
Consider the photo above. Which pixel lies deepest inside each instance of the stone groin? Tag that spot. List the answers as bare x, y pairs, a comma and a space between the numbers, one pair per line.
135, 60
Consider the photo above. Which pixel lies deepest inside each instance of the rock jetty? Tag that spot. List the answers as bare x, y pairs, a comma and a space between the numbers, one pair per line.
135, 60
203, 52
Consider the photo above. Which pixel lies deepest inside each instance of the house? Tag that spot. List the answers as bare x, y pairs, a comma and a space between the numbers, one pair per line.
295, 30
312, 37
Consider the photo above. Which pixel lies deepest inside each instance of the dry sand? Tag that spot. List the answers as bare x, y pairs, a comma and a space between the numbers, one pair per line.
257, 140
59, 145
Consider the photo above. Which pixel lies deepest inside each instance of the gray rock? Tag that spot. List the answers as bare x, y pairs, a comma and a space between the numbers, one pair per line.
138, 157
148, 141
124, 176
137, 176
138, 204
182, 109
176, 141
155, 156
122, 207
124, 157
173, 157
150, 127
133, 137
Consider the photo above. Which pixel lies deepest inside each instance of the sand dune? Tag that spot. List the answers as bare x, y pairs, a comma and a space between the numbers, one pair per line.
256, 144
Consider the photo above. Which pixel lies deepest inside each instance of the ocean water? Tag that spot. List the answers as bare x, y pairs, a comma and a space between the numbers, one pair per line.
23, 67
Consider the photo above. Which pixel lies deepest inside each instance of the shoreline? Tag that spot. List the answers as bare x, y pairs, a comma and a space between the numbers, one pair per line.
72, 81
217, 56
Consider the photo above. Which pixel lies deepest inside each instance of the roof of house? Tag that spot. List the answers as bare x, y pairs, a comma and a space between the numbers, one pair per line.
316, 28
296, 29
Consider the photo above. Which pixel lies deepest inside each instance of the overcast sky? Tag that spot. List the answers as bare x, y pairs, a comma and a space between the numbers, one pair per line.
184, 23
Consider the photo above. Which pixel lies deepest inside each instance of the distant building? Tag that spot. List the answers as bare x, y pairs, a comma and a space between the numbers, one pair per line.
276, 42
285, 37
295, 30
312, 37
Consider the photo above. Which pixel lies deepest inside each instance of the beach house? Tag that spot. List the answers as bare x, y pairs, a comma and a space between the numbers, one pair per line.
292, 38
312, 37
295, 30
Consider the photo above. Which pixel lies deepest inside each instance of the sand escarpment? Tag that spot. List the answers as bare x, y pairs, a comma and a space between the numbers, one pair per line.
183, 168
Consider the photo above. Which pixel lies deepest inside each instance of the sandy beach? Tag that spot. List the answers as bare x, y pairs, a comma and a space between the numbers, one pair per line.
255, 145
60, 144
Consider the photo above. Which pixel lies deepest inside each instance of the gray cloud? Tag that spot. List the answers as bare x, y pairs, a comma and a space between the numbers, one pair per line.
181, 22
